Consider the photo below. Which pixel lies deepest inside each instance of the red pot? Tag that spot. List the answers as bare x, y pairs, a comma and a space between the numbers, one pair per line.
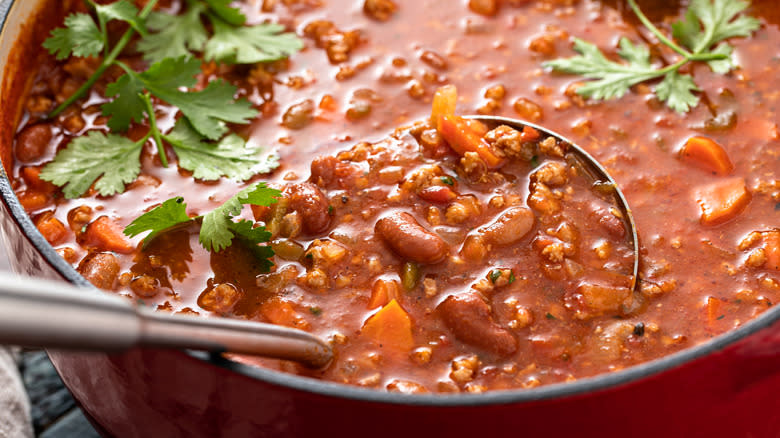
727, 387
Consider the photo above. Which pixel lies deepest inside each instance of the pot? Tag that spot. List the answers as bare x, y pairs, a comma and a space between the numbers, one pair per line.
725, 387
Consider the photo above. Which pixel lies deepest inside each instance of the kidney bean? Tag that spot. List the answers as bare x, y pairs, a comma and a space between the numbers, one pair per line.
311, 204
407, 238
469, 318
512, 225
32, 141
101, 269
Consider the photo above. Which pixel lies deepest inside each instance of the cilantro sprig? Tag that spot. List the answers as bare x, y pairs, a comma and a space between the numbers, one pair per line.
200, 138
218, 230
701, 36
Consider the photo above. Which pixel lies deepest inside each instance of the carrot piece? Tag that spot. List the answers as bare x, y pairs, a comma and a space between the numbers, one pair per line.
478, 127
107, 235
529, 134
391, 328
444, 102
382, 292
32, 200
722, 201
706, 154
32, 176
280, 312
463, 139
714, 310
52, 229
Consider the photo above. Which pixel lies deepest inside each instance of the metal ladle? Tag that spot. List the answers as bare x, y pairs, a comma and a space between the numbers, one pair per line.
48, 314
596, 173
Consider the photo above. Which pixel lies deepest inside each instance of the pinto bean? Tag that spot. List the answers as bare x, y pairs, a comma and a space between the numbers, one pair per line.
309, 201
407, 238
512, 225
469, 318
32, 142
101, 269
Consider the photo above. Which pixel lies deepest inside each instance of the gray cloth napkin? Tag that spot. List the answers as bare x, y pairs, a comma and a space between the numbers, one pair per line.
15, 419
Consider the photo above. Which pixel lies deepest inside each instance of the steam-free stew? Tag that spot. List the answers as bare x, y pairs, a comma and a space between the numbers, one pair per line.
434, 252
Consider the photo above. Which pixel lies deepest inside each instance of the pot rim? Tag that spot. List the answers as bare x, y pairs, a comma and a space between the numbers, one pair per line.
587, 385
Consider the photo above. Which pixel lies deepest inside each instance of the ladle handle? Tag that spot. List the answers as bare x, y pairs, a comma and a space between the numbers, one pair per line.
49, 314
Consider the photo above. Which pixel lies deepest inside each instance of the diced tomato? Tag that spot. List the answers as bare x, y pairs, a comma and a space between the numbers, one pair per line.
463, 139
438, 194
382, 292
706, 154
722, 201
281, 312
772, 250
714, 309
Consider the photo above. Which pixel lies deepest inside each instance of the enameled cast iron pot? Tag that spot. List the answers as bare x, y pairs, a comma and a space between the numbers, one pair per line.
727, 387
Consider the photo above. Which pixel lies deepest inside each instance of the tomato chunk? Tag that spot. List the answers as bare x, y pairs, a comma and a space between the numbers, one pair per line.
281, 312
391, 327
382, 292
706, 154
722, 201
462, 139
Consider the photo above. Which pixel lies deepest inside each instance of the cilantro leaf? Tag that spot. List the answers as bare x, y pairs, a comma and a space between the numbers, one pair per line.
208, 109
677, 91
250, 237
226, 12
80, 37
706, 23
215, 230
250, 45
89, 157
167, 215
175, 35
127, 105
208, 161
725, 65
123, 11
612, 79
720, 20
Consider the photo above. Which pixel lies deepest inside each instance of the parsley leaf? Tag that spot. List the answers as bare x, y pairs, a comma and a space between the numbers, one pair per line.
175, 35
707, 24
229, 157
216, 232
250, 45
91, 156
79, 37
167, 215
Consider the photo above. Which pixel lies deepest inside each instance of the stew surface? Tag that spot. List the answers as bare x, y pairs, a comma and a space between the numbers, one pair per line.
429, 266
